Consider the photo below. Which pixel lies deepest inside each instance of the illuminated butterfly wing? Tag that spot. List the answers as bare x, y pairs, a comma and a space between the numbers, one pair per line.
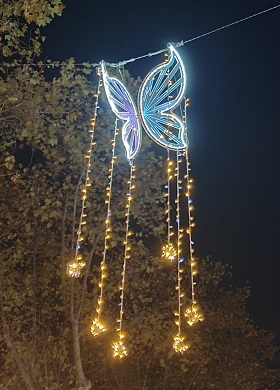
161, 92
124, 108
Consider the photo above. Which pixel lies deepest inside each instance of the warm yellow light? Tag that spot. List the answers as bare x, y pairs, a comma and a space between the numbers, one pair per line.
193, 315
74, 268
179, 344
97, 327
169, 252
119, 349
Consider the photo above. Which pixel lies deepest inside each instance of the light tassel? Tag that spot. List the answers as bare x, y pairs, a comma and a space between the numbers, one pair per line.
97, 326
192, 313
168, 251
75, 265
179, 344
119, 348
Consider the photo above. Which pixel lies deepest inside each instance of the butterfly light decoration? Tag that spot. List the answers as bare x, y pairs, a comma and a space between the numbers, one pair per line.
161, 91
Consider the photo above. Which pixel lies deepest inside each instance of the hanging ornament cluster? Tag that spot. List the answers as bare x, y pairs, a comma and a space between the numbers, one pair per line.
161, 93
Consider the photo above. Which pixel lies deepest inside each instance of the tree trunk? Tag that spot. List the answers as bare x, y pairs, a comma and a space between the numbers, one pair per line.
26, 373
81, 382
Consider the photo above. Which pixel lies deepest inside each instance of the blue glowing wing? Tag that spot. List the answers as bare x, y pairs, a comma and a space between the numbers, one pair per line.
124, 108
161, 92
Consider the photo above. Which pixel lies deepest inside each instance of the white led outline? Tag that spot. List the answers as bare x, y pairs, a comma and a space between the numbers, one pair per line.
166, 114
170, 115
107, 80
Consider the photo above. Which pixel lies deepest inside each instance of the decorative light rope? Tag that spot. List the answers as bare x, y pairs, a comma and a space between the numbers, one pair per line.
75, 266
179, 344
97, 327
192, 313
119, 348
168, 251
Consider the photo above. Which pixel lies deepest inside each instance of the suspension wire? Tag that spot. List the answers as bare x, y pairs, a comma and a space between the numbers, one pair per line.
97, 327
230, 24
119, 349
121, 63
178, 44
75, 266
182, 43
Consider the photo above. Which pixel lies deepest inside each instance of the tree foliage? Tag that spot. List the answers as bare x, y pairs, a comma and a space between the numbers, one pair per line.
45, 335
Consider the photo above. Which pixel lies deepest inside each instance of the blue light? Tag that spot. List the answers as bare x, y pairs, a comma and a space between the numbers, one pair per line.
162, 91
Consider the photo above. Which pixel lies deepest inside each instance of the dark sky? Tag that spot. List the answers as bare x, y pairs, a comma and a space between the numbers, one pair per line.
233, 120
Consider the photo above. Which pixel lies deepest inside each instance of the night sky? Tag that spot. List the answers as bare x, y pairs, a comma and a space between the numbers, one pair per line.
233, 120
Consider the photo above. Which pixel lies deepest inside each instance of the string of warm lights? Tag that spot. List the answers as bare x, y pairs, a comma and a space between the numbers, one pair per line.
119, 348
97, 326
192, 313
179, 344
75, 265
168, 250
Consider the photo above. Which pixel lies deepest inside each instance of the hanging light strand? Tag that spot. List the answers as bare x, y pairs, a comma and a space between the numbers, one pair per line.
75, 266
168, 220
119, 348
179, 344
193, 313
168, 251
97, 326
